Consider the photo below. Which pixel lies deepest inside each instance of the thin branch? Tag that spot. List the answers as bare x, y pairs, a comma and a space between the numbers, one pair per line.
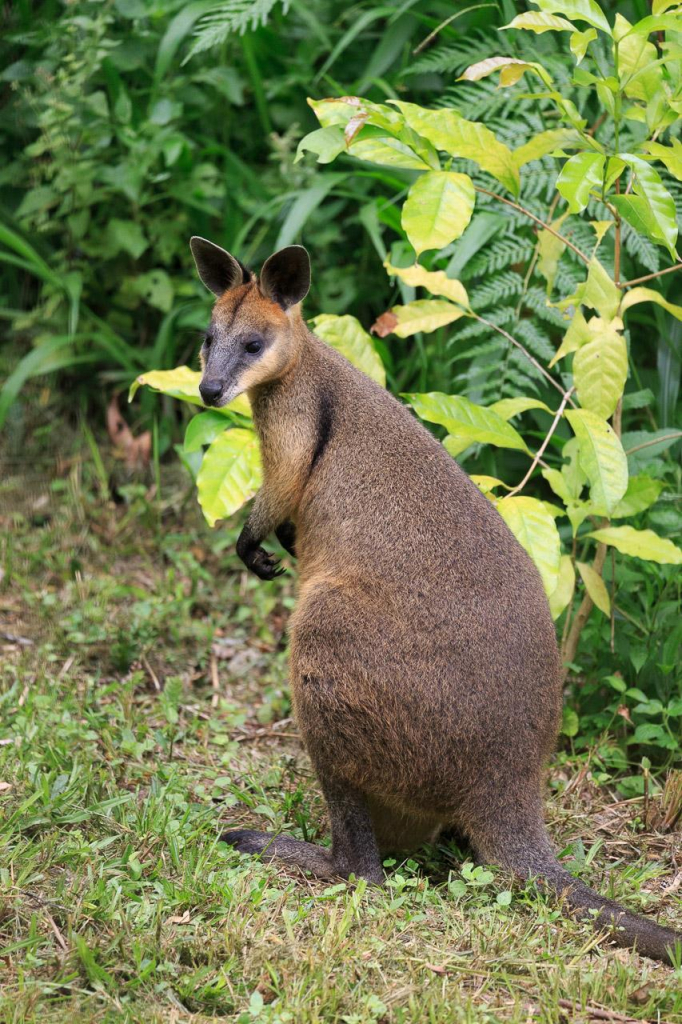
432, 35
656, 440
541, 450
542, 223
650, 277
522, 348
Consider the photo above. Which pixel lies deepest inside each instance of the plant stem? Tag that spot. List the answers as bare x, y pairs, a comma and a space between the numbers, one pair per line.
541, 450
656, 440
522, 348
571, 644
650, 277
538, 220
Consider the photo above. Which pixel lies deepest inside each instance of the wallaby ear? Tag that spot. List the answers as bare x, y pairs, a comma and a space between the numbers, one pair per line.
217, 269
285, 277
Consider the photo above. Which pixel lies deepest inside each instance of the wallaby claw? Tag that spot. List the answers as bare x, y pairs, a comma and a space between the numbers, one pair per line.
263, 564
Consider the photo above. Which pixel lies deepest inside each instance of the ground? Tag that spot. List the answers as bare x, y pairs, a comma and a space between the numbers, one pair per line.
144, 709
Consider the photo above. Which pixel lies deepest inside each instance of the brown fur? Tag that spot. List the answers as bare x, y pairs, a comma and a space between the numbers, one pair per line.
424, 666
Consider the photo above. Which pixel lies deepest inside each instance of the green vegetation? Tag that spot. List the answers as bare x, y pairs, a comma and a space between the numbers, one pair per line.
143, 684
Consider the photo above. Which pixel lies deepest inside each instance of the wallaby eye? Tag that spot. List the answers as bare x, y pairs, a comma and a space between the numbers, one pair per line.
253, 346
208, 338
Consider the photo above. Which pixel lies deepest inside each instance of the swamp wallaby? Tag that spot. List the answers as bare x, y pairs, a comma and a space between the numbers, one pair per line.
424, 666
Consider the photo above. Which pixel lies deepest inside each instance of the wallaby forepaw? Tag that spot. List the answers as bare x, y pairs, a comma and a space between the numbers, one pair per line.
263, 564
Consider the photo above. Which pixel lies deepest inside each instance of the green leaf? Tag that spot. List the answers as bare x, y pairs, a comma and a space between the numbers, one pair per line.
465, 420
570, 722
511, 69
437, 209
156, 288
658, 23
183, 383
670, 155
648, 185
637, 211
600, 370
487, 484
642, 492
437, 282
578, 177
420, 315
550, 251
577, 334
636, 295
347, 336
545, 143
126, 235
447, 130
538, 23
561, 596
643, 544
508, 407
595, 587
579, 42
388, 151
577, 10
601, 457
536, 532
203, 429
600, 292
327, 143
230, 474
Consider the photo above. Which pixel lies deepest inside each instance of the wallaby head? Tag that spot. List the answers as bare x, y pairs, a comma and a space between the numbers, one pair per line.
254, 332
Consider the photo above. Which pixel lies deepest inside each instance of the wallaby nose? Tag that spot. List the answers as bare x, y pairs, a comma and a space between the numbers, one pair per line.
210, 390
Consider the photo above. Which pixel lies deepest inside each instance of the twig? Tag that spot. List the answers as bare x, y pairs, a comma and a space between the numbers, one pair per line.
152, 673
522, 348
444, 24
598, 1013
215, 682
559, 414
657, 440
650, 277
542, 223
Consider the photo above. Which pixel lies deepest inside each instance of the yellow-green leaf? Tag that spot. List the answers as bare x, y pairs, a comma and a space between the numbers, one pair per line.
642, 492
550, 251
600, 370
447, 130
649, 186
560, 598
183, 383
595, 587
536, 532
601, 457
579, 176
640, 543
230, 474
511, 69
537, 22
579, 42
599, 292
487, 484
636, 295
508, 407
670, 156
577, 10
437, 282
545, 143
577, 334
347, 336
423, 315
438, 208
387, 151
464, 419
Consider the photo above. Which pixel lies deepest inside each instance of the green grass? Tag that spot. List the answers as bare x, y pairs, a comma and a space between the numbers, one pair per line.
149, 712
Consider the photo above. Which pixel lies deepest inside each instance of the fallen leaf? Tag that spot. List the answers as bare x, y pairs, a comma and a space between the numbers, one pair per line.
4, 786
181, 919
435, 968
136, 451
384, 324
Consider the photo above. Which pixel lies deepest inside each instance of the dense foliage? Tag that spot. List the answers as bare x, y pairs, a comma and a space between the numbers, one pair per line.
139, 123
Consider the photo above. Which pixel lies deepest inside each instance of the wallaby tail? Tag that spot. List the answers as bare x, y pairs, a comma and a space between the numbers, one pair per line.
529, 854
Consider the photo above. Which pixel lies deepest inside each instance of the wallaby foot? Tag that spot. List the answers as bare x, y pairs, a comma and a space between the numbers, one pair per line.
354, 849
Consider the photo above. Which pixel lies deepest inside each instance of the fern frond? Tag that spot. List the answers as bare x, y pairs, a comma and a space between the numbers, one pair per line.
535, 339
228, 18
501, 253
502, 286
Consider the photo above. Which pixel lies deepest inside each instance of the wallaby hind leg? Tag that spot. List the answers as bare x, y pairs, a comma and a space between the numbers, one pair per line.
354, 848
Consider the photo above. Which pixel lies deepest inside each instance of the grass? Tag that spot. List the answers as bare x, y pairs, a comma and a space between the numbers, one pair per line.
144, 708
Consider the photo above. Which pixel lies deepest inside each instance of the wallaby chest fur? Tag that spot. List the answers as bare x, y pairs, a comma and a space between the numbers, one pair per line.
424, 665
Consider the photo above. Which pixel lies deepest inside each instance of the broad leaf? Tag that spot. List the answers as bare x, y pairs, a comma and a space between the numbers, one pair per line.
420, 315
537, 22
447, 130
577, 10
437, 209
636, 295
487, 484
561, 596
508, 407
595, 587
648, 184
536, 532
658, 23
670, 155
579, 175
550, 250
579, 42
511, 69
230, 474
577, 334
600, 292
388, 151
601, 457
437, 282
183, 383
600, 370
640, 543
465, 420
636, 210
545, 143
203, 429
327, 143
347, 336
643, 491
